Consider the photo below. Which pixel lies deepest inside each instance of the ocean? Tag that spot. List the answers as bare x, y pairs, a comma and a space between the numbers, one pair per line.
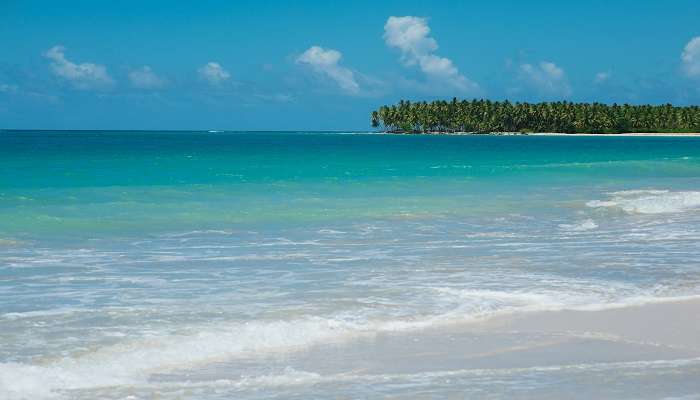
260, 265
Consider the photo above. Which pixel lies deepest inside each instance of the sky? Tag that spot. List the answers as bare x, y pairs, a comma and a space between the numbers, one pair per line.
325, 65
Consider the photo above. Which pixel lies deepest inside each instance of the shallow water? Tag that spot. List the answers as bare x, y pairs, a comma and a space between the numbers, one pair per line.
211, 265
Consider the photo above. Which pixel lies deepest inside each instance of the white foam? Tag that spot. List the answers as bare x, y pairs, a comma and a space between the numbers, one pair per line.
582, 226
290, 377
330, 232
198, 233
489, 303
649, 201
489, 235
131, 362
40, 313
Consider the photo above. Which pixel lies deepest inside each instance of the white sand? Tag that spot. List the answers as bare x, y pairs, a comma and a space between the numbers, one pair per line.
662, 331
642, 352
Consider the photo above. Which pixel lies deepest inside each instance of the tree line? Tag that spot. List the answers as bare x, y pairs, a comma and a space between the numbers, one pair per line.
485, 116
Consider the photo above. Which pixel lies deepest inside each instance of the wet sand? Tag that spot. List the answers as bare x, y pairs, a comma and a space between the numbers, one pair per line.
650, 351
661, 332
651, 332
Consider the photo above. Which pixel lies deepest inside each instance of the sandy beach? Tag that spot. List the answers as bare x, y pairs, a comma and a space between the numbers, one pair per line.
629, 352
657, 332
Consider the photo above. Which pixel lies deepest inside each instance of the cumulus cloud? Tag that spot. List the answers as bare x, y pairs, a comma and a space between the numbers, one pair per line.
546, 78
327, 62
601, 77
145, 78
81, 76
410, 35
690, 58
213, 73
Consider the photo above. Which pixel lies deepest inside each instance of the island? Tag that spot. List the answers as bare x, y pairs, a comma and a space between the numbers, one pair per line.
563, 117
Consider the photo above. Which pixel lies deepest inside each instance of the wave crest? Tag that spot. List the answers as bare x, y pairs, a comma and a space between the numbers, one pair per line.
649, 201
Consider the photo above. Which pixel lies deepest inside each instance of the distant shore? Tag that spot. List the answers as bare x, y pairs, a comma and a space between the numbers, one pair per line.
561, 116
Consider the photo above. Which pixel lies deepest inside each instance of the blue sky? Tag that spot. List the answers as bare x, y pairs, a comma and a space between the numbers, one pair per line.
268, 65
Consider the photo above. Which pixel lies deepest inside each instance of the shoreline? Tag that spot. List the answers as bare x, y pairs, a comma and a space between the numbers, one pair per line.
566, 344
667, 134
628, 134
652, 332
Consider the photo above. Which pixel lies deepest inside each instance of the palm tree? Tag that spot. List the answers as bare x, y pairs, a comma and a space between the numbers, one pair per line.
483, 116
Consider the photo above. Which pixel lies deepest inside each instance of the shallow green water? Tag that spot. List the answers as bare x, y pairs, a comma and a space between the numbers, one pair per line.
92, 182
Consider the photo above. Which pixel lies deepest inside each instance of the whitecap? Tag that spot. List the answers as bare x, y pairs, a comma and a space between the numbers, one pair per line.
649, 201
330, 232
39, 313
198, 233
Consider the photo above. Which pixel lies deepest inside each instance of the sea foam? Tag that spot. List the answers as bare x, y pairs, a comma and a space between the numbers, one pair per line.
132, 362
582, 226
649, 201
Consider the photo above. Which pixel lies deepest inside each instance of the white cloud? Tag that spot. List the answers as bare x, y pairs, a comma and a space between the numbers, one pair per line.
691, 58
601, 77
411, 36
327, 62
546, 78
213, 73
145, 78
81, 76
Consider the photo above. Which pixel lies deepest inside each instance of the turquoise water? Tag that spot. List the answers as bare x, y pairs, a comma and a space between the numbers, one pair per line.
128, 255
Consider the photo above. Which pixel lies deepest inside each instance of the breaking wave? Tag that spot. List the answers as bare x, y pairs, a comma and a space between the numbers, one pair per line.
649, 201
133, 362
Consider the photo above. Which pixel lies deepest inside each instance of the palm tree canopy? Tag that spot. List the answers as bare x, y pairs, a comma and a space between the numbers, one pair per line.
484, 116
